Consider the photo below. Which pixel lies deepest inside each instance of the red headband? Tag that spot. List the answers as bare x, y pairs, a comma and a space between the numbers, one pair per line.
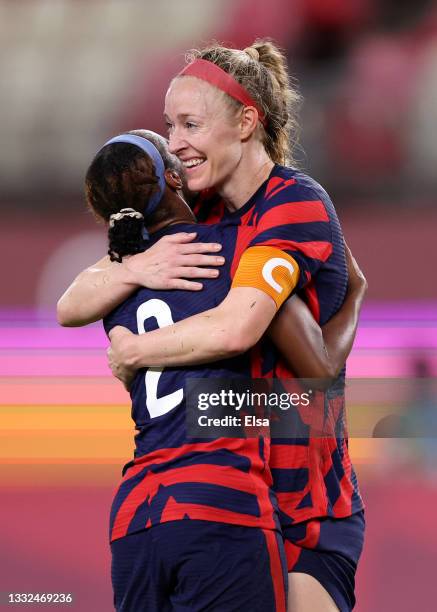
210, 72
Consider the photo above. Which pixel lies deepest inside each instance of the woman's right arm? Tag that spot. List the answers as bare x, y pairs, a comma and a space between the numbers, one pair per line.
95, 292
314, 352
166, 265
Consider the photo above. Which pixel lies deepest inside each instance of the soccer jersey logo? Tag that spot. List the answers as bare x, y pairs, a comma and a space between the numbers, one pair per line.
268, 268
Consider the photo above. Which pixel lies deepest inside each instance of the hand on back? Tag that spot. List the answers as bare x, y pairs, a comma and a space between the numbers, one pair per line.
172, 260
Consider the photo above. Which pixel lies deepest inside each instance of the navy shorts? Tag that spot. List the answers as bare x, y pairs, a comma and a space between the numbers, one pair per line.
193, 565
328, 549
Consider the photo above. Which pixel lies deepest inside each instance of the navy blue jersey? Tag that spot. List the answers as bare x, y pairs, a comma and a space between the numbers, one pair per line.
172, 477
313, 476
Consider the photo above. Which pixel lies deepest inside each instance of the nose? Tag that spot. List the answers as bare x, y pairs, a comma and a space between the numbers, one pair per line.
175, 142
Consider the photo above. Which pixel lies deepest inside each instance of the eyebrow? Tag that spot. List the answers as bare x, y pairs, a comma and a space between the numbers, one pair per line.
180, 116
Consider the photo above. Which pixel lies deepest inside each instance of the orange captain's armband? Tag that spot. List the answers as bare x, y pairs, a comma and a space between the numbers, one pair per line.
268, 269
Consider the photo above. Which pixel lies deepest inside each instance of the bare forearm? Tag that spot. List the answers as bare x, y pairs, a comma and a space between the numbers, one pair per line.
339, 333
311, 351
199, 341
317, 353
169, 263
300, 341
216, 334
94, 293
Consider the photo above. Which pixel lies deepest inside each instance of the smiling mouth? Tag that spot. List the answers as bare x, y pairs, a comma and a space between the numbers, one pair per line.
193, 163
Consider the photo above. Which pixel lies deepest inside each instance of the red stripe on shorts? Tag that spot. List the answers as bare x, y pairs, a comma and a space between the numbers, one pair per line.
276, 571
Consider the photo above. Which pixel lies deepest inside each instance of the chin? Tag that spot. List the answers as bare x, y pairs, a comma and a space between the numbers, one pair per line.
196, 185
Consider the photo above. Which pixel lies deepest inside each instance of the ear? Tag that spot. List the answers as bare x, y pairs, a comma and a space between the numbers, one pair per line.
248, 121
173, 179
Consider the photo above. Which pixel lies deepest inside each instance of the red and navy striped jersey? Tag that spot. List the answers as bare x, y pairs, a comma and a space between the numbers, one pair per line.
313, 476
173, 477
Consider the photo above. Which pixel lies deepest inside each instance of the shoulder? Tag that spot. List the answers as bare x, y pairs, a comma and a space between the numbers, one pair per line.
287, 185
293, 197
125, 313
206, 232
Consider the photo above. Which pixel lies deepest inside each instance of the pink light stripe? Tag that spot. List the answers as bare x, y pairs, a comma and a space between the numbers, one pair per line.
73, 364
377, 336
400, 311
385, 366
53, 337
359, 365
371, 364
396, 337
103, 391
422, 310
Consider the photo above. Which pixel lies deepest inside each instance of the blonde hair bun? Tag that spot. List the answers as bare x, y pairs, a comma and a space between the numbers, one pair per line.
252, 53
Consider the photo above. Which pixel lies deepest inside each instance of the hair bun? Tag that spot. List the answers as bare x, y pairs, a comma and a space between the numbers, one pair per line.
252, 53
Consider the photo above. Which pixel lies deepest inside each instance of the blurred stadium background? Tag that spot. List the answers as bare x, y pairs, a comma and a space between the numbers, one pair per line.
75, 73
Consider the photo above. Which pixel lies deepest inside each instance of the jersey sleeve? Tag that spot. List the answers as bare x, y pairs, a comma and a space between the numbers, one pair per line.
109, 322
118, 316
295, 221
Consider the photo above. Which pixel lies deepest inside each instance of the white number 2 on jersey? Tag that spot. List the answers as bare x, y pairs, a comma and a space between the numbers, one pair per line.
157, 406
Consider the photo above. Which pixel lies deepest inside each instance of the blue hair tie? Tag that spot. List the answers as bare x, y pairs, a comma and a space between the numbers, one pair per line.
156, 157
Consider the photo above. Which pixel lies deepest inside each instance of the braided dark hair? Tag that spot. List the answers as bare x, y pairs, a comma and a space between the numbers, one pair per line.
122, 176
125, 234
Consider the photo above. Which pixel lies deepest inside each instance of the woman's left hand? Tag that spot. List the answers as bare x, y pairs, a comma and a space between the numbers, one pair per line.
120, 354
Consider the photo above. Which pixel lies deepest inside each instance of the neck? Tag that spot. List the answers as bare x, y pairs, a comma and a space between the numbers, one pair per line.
176, 211
253, 169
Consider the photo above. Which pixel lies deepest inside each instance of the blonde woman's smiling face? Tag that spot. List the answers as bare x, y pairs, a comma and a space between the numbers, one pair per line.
203, 131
